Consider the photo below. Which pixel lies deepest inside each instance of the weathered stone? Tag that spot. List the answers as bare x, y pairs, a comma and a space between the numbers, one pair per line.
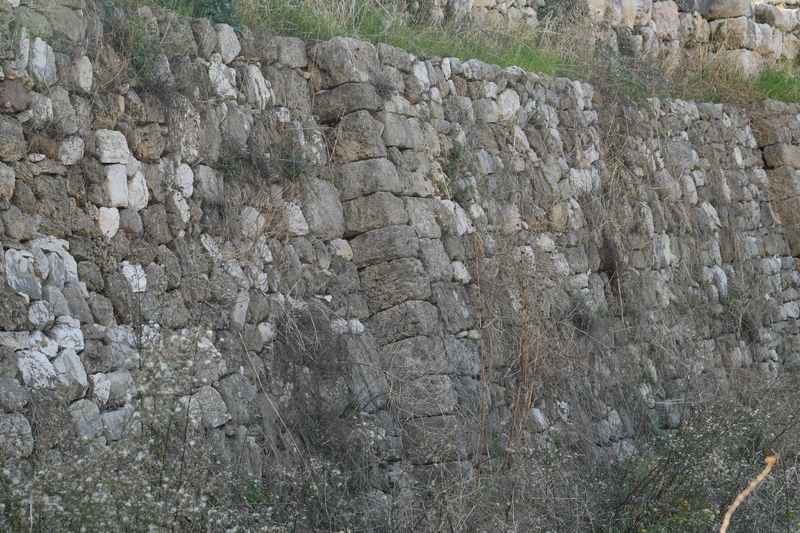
110, 146
426, 396
36, 369
402, 132
323, 209
206, 408
121, 423
108, 221
20, 274
454, 306
70, 374
205, 37
112, 389
780, 154
367, 177
16, 439
42, 62
7, 182
342, 60
70, 150
384, 244
227, 42
665, 16
357, 137
294, 220
238, 393
422, 217
375, 211
154, 220
82, 73
86, 416
388, 284
340, 101
409, 319
257, 91
183, 121
13, 97
12, 139
13, 396
725, 9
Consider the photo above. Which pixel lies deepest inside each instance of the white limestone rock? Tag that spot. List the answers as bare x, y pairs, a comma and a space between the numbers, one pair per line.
257, 90
108, 221
86, 416
252, 222
42, 62
82, 73
68, 335
223, 79
70, 374
295, 220
227, 43
20, 274
184, 180
206, 408
117, 185
40, 314
36, 370
111, 147
16, 438
136, 276
138, 193
70, 150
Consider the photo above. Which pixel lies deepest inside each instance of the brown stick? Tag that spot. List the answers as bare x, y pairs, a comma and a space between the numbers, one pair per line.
742, 495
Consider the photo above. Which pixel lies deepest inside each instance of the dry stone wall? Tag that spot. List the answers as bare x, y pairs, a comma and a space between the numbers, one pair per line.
269, 227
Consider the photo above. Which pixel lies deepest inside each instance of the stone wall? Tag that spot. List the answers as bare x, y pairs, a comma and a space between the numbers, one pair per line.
262, 227
751, 35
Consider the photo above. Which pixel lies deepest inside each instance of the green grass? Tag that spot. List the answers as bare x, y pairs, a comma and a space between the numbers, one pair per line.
781, 83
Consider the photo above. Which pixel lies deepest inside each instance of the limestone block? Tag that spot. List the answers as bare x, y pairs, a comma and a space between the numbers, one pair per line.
7, 181
42, 62
36, 369
384, 244
183, 122
238, 393
766, 14
343, 100
453, 302
388, 284
222, 78
111, 147
725, 9
342, 60
780, 154
12, 139
371, 212
323, 209
16, 439
257, 91
400, 131
486, 110
785, 20
66, 121
462, 356
435, 258
409, 319
138, 194
417, 356
295, 220
70, 150
507, 105
147, 142
227, 43
86, 417
108, 221
206, 408
70, 374
116, 185
41, 110
789, 46
20, 274
665, 16
121, 423
749, 63
737, 32
205, 37
14, 97
357, 137
112, 389
209, 183
422, 217
341, 248
366, 177
67, 333
13, 396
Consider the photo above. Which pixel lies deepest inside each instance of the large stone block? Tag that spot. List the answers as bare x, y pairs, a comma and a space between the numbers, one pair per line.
725, 9
388, 284
409, 319
372, 212
322, 208
780, 154
454, 306
367, 177
357, 137
16, 439
425, 396
665, 15
400, 131
12, 139
342, 60
384, 244
416, 356
345, 99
